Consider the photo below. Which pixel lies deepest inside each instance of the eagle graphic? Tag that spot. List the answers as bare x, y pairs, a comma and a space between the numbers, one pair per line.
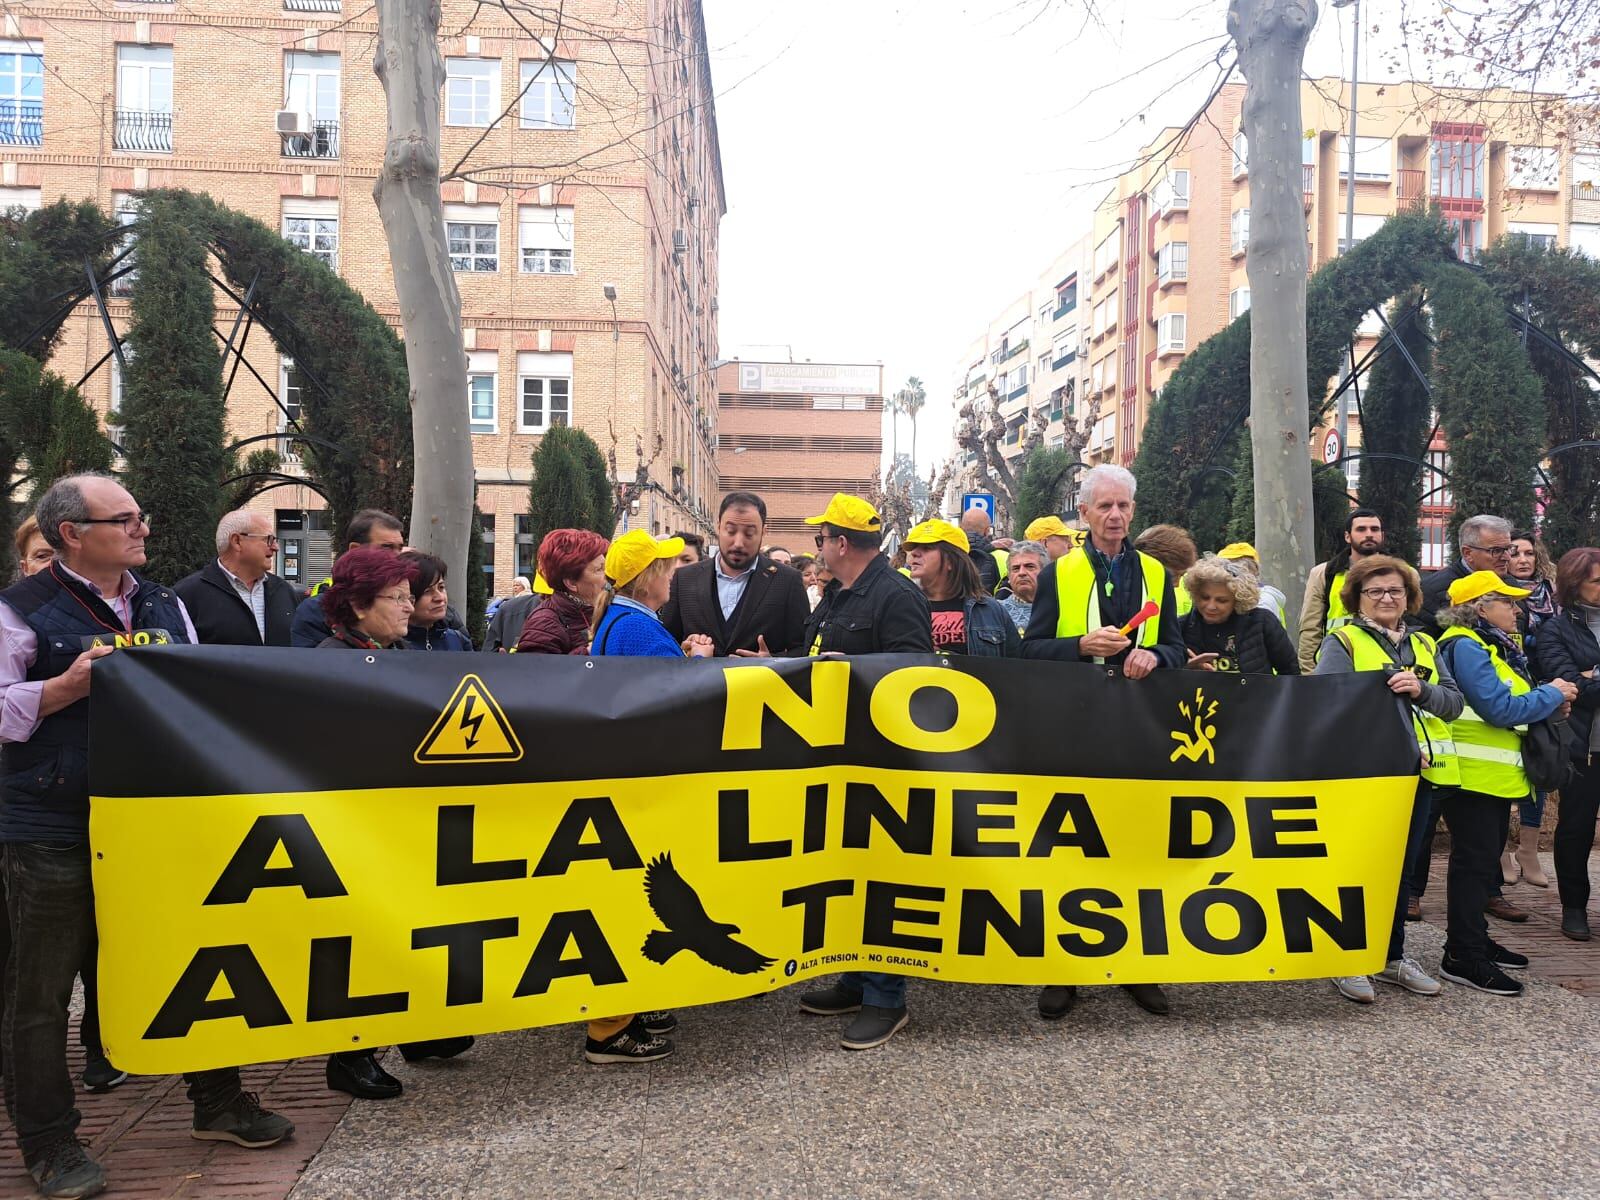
688, 926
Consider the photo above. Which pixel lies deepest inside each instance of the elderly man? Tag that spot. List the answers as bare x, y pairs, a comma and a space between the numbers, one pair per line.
1022, 576
1083, 602
510, 615
236, 600
1054, 535
1484, 543
98, 534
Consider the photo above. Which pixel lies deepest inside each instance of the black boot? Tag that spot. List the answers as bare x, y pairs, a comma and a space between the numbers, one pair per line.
358, 1073
436, 1048
1055, 1002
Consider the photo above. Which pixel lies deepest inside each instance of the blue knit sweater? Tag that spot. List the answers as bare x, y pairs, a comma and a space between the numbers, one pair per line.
628, 628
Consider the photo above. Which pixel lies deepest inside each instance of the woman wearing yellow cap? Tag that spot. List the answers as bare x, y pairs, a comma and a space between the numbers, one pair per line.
640, 570
966, 619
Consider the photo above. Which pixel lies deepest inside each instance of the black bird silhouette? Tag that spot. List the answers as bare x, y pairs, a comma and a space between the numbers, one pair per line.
688, 926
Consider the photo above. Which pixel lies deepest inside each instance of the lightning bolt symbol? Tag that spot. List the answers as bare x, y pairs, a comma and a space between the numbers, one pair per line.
469, 722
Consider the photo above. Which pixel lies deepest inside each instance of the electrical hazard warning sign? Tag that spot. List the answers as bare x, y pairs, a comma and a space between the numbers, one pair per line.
472, 728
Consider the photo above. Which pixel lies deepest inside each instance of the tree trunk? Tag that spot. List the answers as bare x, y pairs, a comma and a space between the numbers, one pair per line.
407, 192
1271, 36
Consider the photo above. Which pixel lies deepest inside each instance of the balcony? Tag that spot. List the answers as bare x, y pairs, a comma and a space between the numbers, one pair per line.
1063, 310
1586, 190
1412, 188
1017, 393
1016, 350
326, 6
1064, 360
321, 142
22, 122
1308, 183
141, 129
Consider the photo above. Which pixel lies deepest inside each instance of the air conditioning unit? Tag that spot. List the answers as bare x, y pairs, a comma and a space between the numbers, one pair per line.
680, 241
294, 124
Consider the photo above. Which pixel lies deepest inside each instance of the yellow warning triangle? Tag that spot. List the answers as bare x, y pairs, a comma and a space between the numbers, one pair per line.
472, 728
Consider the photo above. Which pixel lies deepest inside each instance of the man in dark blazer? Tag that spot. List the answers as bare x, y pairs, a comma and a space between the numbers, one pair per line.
235, 599
739, 598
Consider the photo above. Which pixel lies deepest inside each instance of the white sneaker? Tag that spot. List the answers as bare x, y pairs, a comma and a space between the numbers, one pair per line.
1408, 973
1356, 987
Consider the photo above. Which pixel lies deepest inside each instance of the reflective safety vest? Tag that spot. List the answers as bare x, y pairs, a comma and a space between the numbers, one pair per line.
1002, 562
1491, 757
1440, 753
326, 583
1337, 614
1078, 599
1182, 600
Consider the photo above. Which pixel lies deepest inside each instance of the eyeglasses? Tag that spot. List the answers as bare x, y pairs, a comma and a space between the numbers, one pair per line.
403, 599
821, 538
1492, 551
130, 522
1383, 593
270, 539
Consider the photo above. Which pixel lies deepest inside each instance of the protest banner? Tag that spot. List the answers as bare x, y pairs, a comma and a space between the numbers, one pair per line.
298, 853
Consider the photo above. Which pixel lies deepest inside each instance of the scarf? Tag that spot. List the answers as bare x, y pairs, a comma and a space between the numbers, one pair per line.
1541, 605
1509, 650
1396, 637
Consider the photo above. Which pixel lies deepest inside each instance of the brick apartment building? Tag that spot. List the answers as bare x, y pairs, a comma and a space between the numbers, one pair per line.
795, 433
1163, 267
604, 172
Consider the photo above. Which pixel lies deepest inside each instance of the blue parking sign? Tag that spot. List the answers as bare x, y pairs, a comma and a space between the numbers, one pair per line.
983, 500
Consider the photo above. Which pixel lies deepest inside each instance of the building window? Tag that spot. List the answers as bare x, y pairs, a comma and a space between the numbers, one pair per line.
143, 118
545, 234
291, 384
1238, 302
27, 199
1456, 169
1533, 168
1374, 157
549, 94
486, 531
126, 207
313, 226
527, 552
482, 392
1170, 333
21, 94
1241, 155
544, 383
471, 91
1066, 298
1239, 228
311, 89
473, 235
1366, 224
1172, 262
1540, 236
1171, 192
1105, 254
1469, 236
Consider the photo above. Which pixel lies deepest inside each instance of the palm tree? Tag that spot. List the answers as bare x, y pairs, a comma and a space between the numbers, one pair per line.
910, 401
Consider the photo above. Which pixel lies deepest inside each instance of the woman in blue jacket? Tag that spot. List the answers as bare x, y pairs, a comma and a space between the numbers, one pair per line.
428, 628
966, 619
625, 622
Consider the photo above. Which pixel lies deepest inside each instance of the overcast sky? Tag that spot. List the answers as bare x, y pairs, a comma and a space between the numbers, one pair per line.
897, 172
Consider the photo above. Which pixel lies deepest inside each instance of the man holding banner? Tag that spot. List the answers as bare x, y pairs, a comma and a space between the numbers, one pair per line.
867, 609
1106, 603
53, 625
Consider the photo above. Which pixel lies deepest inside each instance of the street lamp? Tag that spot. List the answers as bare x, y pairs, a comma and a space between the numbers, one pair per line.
1342, 425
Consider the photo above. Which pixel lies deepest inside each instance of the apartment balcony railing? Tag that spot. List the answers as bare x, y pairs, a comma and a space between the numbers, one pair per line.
22, 122
1586, 190
1017, 393
141, 129
1412, 188
330, 6
1063, 310
321, 142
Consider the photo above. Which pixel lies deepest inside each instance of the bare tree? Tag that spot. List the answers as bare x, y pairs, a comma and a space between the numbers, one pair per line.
409, 65
1271, 36
981, 431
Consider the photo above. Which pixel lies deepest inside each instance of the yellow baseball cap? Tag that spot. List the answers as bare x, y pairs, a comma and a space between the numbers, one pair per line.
1239, 550
849, 512
1046, 527
930, 533
636, 550
1483, 583
540, 587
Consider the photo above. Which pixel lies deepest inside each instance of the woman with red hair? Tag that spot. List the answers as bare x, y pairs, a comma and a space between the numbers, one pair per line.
369, 606
573, 563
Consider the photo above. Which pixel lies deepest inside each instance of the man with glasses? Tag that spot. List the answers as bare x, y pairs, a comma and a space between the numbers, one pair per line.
236, 600
46, 623
1485, 545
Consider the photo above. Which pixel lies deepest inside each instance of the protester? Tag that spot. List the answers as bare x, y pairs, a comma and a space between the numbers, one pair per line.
573, 563
868, 608
1323, 609
34, 552
966, 619
1485, 545
779, 555
1479, 647
1568, 649
235, 599
1027, 559
98, 535
1226, 630
976, 525
1380, 593
1244, 555
641, 571
369, 527
506, 624
1174, 549
1531, 568
694, 548
740, 599
1054, 535
1080, 610
430, 599
368, 606
810, 576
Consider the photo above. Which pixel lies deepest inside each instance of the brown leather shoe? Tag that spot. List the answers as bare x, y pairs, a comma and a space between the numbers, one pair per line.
1414, 909
1502, 908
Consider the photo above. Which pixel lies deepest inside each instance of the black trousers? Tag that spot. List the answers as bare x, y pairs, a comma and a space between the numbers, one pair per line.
1419, 865
1580, 803
1477, 825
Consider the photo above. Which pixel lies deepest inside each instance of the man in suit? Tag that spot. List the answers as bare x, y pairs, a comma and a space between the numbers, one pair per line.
742, 600
235, 599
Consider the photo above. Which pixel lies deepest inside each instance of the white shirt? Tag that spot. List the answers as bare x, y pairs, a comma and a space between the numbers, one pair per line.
255, 598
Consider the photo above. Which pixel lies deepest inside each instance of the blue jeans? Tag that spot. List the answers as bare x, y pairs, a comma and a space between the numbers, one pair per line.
881, 991
1532, 811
